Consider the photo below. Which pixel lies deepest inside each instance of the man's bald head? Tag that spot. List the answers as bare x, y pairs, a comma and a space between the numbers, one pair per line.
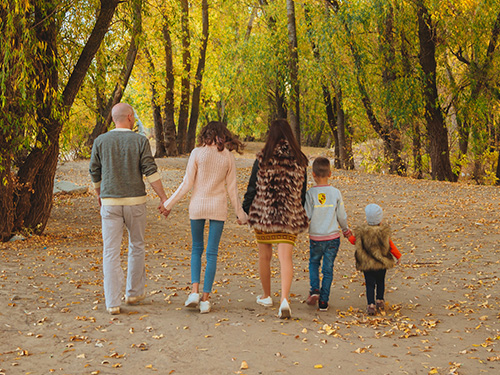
123, 115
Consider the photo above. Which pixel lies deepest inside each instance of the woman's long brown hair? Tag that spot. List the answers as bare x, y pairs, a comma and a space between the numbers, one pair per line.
278, 130
216, 133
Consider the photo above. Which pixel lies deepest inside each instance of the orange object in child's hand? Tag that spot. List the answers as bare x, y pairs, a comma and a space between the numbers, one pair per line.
352, 240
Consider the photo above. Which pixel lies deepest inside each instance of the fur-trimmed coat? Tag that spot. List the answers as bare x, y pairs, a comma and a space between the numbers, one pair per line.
373, 249
276, 193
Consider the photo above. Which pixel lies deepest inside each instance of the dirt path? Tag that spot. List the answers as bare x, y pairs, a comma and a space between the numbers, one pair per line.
444, 315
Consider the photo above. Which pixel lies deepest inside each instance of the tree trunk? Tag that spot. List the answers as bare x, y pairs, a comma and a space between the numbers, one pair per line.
104, 118
185, 80
436, 128
168, 118
382, 132
388, 52
36, 174
276, 96
317, 138
331, 114
195, 106
345, 148
10, 130
6, 191
100, 93
294, 107
498, 170
161, 150
330, 108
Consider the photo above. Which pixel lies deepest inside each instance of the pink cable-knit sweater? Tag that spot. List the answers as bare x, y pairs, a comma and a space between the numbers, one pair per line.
208, 172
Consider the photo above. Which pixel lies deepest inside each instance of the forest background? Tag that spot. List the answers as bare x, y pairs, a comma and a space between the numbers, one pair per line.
411, 86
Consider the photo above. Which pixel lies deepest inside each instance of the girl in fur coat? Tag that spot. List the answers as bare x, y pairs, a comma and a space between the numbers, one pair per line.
274, 202
373, 255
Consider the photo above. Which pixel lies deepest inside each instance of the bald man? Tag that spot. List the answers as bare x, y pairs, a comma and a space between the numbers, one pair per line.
120, 158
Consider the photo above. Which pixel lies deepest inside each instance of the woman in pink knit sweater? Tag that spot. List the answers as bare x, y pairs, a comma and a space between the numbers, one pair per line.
211, 175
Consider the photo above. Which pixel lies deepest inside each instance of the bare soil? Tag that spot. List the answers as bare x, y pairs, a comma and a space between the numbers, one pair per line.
443, 300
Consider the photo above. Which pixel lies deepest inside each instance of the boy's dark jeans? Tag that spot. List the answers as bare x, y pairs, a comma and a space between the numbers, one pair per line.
375, 280
326, 250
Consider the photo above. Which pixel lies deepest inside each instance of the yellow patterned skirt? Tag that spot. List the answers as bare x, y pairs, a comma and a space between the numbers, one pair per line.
270, 238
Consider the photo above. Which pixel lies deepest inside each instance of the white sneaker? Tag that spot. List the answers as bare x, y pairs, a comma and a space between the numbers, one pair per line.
285, 312
268, 301
113, 310
135, 299
205, 307
193, 300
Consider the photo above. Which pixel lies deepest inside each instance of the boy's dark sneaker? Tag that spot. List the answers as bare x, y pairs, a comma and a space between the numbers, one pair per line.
313, 297
371, 309
380, 303
323, 306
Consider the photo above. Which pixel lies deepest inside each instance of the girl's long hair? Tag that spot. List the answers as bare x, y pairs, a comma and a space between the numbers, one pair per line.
278, 130
216, 133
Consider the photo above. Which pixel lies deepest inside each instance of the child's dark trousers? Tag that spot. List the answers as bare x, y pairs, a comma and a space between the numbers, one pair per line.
375, 280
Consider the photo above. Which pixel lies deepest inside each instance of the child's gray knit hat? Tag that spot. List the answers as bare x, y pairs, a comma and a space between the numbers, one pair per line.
374, 214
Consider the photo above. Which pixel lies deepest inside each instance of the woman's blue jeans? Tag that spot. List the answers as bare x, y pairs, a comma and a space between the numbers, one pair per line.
328, 251
214, 235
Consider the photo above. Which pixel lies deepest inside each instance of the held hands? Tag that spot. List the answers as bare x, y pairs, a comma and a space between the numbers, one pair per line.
242, 221
161, 208
347, 233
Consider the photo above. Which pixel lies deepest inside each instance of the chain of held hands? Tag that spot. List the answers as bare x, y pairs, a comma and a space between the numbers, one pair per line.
165, 212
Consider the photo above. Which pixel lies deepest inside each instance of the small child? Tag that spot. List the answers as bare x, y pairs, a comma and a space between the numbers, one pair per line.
373, 255
325, 209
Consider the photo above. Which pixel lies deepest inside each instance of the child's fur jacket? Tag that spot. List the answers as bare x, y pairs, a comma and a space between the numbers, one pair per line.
373, 250
277, 205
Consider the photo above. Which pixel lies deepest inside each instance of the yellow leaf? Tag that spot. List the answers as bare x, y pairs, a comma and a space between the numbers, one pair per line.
244, 365
318, 366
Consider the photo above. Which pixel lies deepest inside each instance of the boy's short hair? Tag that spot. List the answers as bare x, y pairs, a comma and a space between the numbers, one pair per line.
321, 167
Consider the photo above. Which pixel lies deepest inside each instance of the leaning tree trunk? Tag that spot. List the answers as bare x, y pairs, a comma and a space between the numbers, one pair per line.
381, 130
104, 118
36, 174
182, 124
294, 107
195, 106
436, 128
161, 150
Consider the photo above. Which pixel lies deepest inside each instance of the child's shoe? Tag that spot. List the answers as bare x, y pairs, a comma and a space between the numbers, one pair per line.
193, 300
205, 307
285, 312
323, 306
114, 310
380, 304
371, 310
135, 299
268, 301
313, 297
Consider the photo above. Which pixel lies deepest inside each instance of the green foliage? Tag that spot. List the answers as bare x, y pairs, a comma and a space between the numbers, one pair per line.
243, 71
17, 78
